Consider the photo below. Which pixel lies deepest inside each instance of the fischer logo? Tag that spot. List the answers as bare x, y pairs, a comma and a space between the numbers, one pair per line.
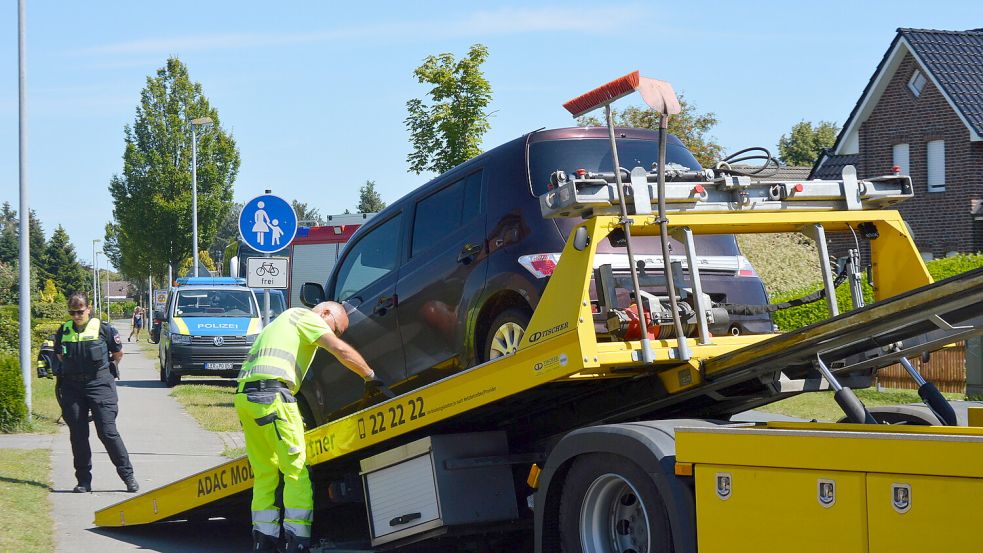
233, 326
537, 336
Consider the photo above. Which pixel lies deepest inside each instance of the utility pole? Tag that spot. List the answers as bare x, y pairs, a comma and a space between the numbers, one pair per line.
25, 211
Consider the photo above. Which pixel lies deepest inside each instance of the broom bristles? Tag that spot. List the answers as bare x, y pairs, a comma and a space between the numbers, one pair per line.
603, 95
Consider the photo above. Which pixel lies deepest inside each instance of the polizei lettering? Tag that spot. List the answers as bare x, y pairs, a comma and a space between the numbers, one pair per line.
537, 336
233, 326
222, 479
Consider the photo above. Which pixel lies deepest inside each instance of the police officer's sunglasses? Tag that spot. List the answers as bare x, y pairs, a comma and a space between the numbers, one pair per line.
74, 312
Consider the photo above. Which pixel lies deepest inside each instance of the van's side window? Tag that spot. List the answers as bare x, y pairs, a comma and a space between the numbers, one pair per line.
369, 259
441, 213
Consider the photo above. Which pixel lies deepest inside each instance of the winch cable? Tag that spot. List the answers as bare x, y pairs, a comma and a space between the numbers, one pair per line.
756, 309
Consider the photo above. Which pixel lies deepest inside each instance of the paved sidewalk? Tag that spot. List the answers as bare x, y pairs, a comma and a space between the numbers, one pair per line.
164, 443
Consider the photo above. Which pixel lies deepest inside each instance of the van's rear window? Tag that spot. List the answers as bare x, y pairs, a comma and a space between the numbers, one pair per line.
594, 154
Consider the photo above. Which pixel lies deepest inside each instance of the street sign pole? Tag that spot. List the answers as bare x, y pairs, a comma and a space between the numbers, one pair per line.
267, 224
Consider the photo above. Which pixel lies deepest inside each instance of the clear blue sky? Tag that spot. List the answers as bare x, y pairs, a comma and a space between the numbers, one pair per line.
315, 92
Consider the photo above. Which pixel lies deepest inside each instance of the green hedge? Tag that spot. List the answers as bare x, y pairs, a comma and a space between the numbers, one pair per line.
13, 411
52, 310
798, 317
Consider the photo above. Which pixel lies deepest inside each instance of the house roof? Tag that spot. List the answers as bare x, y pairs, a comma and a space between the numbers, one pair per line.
953, 61
830, 167
117, 289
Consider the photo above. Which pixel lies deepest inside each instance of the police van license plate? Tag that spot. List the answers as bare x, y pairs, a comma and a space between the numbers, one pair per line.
219, 366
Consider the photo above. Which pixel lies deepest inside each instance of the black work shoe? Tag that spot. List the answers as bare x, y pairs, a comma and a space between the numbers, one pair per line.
263, 543
131, 484
82, 488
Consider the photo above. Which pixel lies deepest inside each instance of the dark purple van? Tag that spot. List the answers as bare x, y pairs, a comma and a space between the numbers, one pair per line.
448, 276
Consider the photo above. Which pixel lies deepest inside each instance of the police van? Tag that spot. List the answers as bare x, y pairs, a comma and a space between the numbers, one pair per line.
207, 327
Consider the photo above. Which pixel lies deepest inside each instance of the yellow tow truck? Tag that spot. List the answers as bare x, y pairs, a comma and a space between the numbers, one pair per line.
589, 439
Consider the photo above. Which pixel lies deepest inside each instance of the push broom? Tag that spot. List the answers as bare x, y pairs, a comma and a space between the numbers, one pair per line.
659, 96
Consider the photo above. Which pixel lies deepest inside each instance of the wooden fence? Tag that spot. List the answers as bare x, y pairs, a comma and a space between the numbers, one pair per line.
946, 369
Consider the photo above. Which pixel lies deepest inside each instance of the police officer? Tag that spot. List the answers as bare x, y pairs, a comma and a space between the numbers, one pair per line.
88, 350
273, 427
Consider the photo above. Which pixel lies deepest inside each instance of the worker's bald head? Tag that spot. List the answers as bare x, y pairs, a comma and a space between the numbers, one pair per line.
334, 316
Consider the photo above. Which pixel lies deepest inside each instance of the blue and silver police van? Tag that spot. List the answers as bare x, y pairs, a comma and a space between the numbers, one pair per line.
208, 325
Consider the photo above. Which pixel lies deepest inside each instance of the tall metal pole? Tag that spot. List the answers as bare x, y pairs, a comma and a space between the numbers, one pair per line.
194, 200
95, 285
25, 211
98, 298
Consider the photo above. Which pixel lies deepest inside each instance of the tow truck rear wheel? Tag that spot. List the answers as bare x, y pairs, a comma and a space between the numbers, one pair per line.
610, 505
505, 333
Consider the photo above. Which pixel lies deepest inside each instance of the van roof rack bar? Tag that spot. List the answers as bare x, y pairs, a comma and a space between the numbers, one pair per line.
206, 281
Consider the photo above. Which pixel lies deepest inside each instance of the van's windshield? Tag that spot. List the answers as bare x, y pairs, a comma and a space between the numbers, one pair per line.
594, 154
215, 303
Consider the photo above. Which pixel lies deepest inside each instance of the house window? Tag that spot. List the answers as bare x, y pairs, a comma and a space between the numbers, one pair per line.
935, 161
916, 83
900, 158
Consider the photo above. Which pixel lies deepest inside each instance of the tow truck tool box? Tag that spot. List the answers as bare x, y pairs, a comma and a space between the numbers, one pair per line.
616, 453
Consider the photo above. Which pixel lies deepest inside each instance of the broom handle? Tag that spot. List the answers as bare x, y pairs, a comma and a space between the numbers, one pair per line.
647, 355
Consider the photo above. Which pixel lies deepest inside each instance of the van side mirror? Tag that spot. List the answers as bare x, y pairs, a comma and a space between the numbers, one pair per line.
311, 294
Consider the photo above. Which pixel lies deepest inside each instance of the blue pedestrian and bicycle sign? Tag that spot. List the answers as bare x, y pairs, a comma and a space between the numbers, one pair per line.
267, 223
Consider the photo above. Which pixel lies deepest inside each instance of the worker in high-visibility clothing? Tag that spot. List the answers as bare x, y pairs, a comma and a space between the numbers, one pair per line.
273, 427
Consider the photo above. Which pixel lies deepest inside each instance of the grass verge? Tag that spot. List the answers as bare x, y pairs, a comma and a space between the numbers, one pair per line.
25, 513
210, 405
822, 407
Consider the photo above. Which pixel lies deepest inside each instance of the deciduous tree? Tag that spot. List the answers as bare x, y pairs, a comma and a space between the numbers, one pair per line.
153, 194
804, 143
448, 131
369, 201
307, 215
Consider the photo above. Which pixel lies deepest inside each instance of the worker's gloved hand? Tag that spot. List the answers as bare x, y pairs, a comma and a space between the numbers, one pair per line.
376, 387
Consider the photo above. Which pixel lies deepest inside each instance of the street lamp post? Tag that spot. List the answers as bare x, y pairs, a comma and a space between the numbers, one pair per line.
194, 190
98, 304
95, 285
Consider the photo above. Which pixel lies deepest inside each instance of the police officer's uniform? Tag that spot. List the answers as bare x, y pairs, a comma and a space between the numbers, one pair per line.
274, 429
86, 384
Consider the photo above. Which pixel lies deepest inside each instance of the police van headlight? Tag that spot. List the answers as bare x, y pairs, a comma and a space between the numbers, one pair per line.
180, 339
250, 338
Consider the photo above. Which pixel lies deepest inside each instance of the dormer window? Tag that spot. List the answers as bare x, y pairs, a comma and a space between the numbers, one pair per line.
916, 83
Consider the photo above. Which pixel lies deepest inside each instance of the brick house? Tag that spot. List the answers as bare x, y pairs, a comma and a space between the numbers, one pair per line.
922, 111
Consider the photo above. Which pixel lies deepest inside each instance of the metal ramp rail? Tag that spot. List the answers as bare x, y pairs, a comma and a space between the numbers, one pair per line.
560, 349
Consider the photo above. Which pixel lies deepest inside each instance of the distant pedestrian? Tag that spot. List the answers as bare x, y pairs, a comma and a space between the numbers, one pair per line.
89, 351
136, 323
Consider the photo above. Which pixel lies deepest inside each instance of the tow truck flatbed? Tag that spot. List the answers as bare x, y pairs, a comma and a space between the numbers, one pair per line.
562, 377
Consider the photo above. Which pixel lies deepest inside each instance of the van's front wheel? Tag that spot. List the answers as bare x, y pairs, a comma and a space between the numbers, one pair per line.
505, 334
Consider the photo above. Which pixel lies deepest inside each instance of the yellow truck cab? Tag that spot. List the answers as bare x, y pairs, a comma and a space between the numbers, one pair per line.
208, 326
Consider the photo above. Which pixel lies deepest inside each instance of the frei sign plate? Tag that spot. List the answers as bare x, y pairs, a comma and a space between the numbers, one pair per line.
267, 223
267, 272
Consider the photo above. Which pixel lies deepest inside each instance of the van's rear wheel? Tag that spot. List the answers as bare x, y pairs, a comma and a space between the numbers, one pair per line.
505, 334
610, 505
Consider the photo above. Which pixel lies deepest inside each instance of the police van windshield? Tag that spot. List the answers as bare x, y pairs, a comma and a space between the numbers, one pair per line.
215, 303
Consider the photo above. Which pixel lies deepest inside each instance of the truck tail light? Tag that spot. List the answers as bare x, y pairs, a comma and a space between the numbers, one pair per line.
541, 265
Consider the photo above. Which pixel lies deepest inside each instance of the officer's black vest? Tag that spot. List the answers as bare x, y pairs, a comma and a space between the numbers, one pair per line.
85, 352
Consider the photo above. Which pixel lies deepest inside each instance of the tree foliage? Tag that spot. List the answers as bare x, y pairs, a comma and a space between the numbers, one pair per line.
228, 232
63, 266
184, 269
306, 214
689, 126
448, 131
152, 197
804, 143
369, 201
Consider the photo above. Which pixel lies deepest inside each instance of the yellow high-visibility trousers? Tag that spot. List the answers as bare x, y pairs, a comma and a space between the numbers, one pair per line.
274, 432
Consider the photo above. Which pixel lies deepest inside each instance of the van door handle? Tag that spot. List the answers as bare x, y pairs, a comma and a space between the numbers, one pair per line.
468, 252
384, 304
